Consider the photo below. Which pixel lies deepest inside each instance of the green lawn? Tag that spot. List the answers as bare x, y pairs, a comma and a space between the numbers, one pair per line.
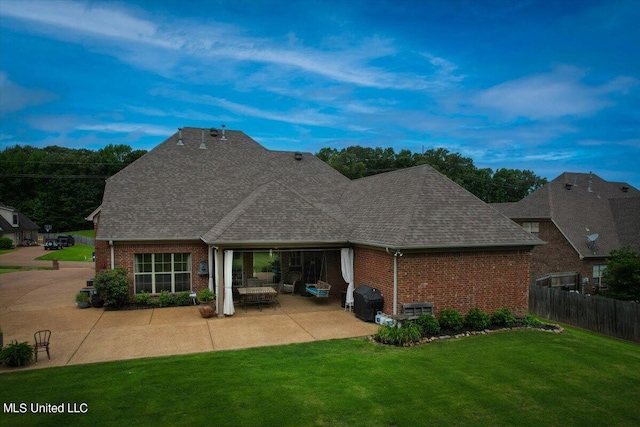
71, 253
520, 378
12, 269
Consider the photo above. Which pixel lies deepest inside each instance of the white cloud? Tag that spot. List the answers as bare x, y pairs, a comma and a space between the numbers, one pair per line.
134, 35
14, 97
138, 128
551, 95
87, 18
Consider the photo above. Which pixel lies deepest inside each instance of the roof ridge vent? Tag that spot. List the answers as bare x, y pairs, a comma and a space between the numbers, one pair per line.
202, 144
223, 138
180, 137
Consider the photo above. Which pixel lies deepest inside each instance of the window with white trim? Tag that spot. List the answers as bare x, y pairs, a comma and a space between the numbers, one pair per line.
532, 227
598, 271
154, 273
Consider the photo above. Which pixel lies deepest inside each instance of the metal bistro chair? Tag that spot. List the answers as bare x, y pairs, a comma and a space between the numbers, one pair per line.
42, 342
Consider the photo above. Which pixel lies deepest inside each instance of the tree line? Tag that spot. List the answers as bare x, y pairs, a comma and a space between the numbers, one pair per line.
503, 185
61, 186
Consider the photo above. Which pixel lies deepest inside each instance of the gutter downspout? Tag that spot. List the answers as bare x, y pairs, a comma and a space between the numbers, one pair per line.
396, 254
113, 254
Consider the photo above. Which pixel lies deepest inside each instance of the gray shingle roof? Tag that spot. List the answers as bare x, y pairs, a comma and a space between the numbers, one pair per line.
238, 192
582, 204
24, 223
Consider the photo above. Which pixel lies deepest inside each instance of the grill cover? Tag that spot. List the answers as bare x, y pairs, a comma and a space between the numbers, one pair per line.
367, 301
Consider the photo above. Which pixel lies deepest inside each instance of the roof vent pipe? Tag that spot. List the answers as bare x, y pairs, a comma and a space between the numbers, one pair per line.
224, 138
202, 146
298, 156
180, 137
213, 132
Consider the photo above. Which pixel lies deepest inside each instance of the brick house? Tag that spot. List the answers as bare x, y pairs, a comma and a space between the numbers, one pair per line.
207, 207
582, 218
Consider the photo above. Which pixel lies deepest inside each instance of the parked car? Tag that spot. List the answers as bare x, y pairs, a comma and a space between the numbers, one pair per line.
67, 240
52, 244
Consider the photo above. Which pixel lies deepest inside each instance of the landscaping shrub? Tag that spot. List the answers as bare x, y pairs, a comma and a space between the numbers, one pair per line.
183, 299
166, 299
408, 333
143, 298
451, 319
17, 354
477, 320
6, 243
532, 321
502, 317
429, 325
113, 286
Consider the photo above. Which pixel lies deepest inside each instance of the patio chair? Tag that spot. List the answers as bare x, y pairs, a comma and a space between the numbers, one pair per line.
288, 285
42, 342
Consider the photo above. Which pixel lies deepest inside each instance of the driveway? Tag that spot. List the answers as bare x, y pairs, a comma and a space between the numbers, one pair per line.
44, 299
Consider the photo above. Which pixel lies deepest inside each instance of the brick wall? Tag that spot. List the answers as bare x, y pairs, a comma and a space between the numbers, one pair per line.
487, 280
558, 255
124, 257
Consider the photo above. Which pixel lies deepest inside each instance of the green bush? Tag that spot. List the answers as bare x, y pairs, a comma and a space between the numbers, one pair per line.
143, 298
16, 354
503, 317
183, 299
477, 320
6, 243
451, 319
393, 335
531, 320
166, 299
429, 325
113, 286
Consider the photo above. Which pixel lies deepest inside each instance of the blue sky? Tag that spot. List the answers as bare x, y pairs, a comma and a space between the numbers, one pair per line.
549, 86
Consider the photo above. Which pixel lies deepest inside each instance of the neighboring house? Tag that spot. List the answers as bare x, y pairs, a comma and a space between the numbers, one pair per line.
16, 226
582, 218
203, 207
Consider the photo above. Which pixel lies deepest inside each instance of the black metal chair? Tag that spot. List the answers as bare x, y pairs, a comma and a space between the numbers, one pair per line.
42, 342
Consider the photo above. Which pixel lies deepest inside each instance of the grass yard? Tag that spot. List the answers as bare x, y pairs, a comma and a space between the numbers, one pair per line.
71, 253
521, 378
13, 269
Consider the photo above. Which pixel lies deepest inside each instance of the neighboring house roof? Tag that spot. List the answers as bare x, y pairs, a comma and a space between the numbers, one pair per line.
581, 205
237, 192
24, 223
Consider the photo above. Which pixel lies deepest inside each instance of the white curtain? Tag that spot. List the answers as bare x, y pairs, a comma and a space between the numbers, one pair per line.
346, 264
228, 286
216, 279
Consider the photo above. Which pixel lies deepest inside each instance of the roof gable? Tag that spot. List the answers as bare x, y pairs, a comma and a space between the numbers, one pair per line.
581, 205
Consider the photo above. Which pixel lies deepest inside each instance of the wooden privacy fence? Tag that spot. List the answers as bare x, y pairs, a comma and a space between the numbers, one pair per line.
620, 319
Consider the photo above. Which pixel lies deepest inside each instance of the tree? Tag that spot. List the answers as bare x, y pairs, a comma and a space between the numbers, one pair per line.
622, 275
505, 185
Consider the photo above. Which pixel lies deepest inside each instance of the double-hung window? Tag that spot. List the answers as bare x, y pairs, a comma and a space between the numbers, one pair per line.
155, 273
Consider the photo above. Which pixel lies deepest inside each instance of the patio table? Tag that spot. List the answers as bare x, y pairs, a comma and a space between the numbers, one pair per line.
258, 295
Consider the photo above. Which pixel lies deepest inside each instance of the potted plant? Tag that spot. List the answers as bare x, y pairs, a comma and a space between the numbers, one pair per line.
206, 298
82, 300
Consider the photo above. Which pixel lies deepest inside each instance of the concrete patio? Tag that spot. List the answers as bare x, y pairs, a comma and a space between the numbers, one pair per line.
44, 299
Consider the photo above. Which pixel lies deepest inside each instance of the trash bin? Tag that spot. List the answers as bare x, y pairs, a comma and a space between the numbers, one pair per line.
367, 301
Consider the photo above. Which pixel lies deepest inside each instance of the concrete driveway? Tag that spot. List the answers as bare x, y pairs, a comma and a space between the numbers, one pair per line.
44, 299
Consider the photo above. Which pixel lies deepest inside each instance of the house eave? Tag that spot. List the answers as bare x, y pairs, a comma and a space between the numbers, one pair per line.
451, 246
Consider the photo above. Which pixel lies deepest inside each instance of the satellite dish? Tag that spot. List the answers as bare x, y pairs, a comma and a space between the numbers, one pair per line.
591, 238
